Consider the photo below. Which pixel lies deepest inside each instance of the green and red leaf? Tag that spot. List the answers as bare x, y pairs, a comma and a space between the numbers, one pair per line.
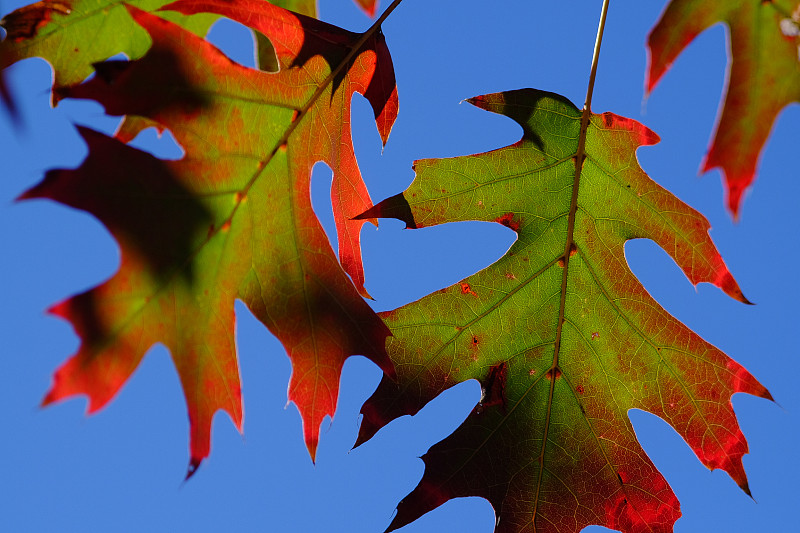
559, 332
233, 218
763, 78
72, 35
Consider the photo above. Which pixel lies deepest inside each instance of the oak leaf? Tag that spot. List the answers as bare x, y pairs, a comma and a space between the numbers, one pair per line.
763, 78
72, 35
559, 332
265, 51
231, 219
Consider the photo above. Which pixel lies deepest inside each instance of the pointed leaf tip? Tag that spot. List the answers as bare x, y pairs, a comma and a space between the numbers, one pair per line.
393, 207
194, 465
763, 78
311, 446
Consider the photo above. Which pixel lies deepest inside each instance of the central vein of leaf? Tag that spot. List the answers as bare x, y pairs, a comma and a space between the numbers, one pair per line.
569, 248
301, 113
240, 196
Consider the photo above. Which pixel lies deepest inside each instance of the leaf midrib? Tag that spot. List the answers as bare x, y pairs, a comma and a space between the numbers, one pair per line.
262, 166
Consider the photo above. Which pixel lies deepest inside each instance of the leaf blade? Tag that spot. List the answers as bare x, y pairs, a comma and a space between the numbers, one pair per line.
255, 238
763, 77
551, 446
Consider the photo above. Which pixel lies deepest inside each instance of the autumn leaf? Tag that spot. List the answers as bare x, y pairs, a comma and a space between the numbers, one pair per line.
763, 78
559, 332
231, 219
72, 35
265, 50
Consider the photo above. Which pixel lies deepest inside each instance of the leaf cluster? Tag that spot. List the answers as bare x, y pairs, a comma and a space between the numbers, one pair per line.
559, 332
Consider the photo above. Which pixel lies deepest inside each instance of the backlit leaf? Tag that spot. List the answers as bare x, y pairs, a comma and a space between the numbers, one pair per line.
233, 218
71, 35
764, 75
559, 332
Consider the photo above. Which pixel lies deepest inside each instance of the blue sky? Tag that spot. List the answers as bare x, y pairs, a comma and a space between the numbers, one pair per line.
122, 469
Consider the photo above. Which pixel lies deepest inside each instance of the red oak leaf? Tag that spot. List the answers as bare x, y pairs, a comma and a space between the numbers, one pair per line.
763, 78
559, 332
233, 218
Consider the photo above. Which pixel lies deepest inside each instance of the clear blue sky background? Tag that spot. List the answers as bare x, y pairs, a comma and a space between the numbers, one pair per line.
122, 469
